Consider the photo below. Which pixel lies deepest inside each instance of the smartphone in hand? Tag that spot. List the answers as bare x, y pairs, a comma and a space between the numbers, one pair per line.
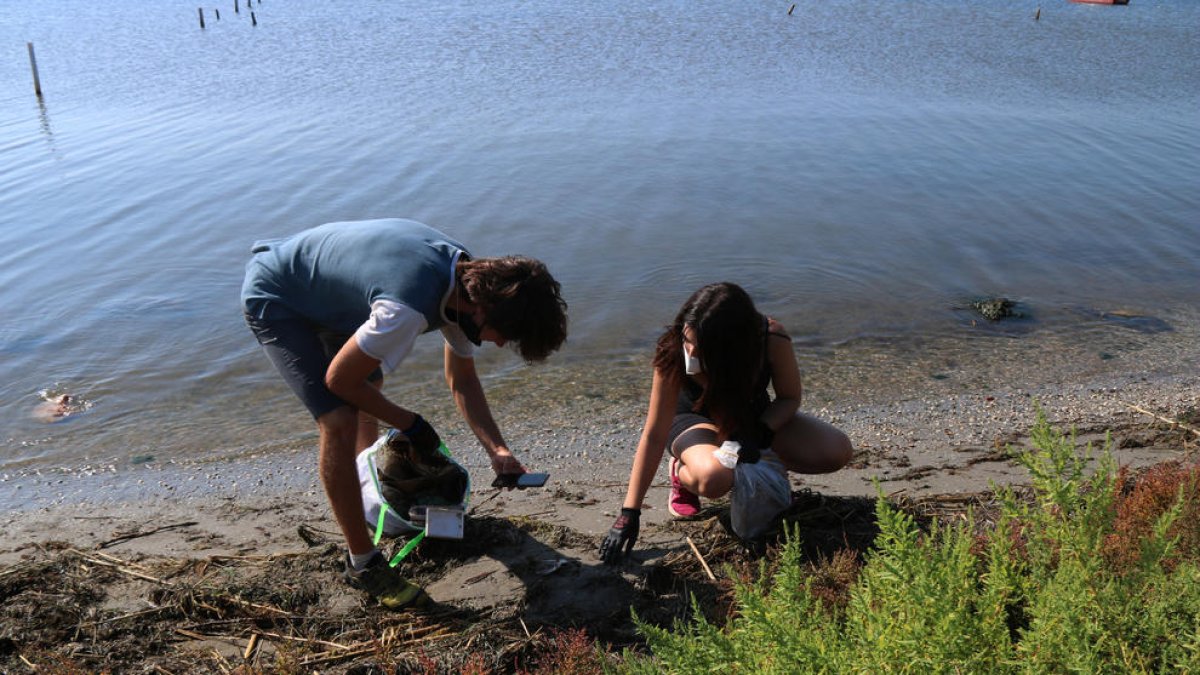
520, 480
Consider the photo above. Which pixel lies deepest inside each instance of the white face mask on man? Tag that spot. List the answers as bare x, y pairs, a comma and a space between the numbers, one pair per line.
691, 364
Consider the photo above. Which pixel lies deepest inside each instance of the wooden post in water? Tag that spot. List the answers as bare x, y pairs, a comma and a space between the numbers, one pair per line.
791, 8
201, 10
37, 82
253, 21
235, 7
1038, 14
217, 12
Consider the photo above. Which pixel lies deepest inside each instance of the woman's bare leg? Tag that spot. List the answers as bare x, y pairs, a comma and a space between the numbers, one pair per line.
698, 470
809, 445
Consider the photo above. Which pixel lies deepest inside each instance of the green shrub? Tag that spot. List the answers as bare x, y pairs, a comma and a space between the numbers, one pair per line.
1039, 593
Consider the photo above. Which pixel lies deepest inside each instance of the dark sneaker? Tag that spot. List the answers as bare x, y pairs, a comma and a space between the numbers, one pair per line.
385, 584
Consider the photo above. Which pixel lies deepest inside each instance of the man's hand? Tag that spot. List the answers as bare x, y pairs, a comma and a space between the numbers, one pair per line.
623, 534
422, 436
503, 463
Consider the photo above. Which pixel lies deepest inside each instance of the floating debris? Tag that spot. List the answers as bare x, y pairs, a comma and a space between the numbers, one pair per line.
55, 406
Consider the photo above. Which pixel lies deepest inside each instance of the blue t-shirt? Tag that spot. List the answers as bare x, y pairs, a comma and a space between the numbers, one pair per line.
331, 274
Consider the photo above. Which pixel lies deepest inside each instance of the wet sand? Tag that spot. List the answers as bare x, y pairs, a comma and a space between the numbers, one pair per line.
925, 417
922, 430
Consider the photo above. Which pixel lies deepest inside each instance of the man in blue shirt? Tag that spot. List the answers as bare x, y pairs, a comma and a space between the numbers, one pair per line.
337, 305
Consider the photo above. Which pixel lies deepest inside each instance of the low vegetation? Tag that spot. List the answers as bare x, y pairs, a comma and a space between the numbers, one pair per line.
1090, 568
1088, 571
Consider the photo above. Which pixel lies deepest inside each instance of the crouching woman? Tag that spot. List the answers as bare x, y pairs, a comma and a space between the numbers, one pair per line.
710, 406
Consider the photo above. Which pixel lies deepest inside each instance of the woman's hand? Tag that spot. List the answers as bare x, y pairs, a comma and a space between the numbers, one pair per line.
623, 534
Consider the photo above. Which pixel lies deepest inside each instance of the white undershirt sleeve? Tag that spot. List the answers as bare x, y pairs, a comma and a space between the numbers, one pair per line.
459, 344
389, 333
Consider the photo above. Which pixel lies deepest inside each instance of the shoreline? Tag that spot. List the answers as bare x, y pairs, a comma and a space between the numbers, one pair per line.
923, 421
919, 446
589, 396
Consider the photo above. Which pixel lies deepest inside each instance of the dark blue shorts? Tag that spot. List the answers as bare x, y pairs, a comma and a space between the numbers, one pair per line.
301, 351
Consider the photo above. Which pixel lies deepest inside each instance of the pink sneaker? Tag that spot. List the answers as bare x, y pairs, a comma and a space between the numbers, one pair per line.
682, 503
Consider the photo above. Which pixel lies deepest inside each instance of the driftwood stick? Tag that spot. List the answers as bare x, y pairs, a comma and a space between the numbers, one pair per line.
240, 621
251, 647
124, 569
120, 567
478, 577
205, 636
115, 559
254, 605
135, 535
391, 638
261, 558
701, 559
130, 615
1168, 420
339, 656
13, 570
414, 633
310, 641
475, 509
400, 633
429, 638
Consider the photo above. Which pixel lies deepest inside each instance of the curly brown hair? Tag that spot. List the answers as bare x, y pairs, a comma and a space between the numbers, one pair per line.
730, 341
521, 300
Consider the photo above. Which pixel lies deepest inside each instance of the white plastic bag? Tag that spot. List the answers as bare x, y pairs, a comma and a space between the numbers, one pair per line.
761, 492
381, 517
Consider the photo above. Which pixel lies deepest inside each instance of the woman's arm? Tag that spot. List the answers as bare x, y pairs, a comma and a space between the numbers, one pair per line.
785, 377
624, 533
654, 438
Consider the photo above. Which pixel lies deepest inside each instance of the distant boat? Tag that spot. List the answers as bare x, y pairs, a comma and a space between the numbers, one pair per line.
1103, 2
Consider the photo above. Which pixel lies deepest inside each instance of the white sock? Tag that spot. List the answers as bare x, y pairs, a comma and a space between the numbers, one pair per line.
360, 560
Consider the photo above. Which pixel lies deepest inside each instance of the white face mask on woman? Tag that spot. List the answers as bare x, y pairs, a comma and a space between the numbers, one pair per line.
691, 364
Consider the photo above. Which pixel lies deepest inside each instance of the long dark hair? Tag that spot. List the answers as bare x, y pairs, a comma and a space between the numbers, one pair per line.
731, 346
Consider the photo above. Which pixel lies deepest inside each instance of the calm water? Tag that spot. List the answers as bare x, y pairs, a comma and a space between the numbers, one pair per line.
864, 168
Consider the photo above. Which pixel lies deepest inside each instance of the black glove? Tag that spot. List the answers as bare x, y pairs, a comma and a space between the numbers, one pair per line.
422, 436
624, 533
765, 436
754, 442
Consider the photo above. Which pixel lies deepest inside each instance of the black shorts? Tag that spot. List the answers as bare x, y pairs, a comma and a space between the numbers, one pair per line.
301, 351
681, 423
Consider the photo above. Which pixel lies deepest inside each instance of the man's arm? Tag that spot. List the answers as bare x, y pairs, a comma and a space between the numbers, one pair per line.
469, 397
347, 378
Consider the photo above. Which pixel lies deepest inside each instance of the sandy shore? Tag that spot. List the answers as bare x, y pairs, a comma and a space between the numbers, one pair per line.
530, 556
948, 438
919, 446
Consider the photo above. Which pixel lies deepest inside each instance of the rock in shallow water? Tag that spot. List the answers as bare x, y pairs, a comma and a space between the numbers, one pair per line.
994, 309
